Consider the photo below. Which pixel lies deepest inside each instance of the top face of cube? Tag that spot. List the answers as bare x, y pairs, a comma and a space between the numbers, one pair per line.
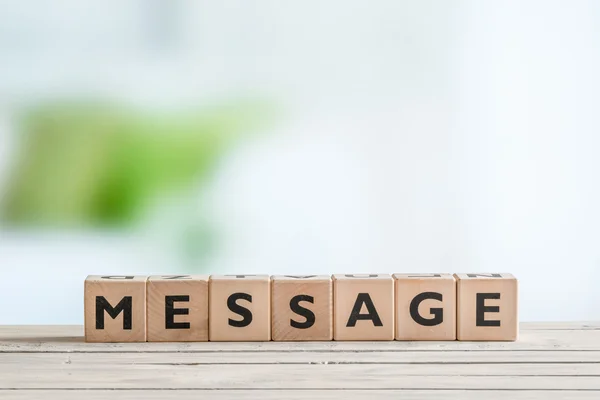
296, 278
117, 278
357, 277
484, 276
171, 278
240, 277
418, 276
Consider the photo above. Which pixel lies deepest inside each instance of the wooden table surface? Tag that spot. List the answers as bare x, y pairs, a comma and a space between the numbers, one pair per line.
549, 361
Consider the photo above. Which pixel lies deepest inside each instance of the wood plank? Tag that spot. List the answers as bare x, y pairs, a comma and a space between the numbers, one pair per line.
37, 331
226, 358
573, 325
544, 341
68, 331
427, 369
317, 376
56, 340
299, 394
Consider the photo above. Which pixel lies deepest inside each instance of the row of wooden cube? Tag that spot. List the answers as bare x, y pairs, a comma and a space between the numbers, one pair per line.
186, 308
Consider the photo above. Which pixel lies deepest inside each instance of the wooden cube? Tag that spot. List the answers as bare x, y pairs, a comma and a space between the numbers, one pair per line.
363, 307
115, 308
240, 308
302, 307
487, 307
177, 308
425, 307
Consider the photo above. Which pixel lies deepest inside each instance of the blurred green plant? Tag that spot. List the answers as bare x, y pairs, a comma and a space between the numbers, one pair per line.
90, 165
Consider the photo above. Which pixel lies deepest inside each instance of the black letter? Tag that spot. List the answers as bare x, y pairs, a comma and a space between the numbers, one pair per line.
171, 312
103, 305
355, 315
176, 277
236, 308
305, 312
482, 309
438, 313
116, 277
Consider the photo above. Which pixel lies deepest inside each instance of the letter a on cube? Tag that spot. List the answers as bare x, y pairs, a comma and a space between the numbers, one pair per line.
363, 307
115, 309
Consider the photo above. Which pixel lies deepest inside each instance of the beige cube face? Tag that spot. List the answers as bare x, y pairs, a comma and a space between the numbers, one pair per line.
240, 308
425, 307
302, 307
363, 307
177, 308
487, 307
115, 309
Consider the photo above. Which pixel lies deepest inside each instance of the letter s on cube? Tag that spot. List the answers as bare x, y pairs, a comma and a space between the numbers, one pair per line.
239, 308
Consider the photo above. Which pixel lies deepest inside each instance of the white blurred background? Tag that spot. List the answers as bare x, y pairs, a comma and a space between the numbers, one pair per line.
388, 136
